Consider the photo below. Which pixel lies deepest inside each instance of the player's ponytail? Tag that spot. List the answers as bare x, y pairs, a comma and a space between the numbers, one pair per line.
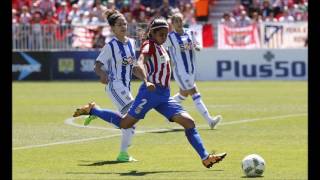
112, 15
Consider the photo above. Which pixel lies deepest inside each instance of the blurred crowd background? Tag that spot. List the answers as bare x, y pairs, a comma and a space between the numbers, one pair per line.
32, 17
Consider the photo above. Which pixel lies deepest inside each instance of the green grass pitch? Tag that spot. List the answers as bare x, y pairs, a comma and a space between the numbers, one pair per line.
268, 118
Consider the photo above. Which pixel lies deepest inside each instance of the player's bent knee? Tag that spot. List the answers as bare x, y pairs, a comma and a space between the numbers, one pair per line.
127, 122
192, 91
185, 120
184, 93
125, 126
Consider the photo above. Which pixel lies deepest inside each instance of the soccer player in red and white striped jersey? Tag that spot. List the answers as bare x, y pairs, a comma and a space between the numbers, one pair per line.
154, 93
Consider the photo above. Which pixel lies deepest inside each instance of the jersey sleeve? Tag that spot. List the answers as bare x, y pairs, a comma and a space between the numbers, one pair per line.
168, 43
105, 55
147, 48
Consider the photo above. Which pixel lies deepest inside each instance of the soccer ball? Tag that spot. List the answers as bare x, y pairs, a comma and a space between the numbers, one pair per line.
253, 165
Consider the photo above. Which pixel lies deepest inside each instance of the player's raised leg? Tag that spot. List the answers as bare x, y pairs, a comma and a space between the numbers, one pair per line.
105, 114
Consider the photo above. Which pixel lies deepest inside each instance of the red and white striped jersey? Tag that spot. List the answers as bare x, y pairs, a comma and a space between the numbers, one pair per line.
158, 65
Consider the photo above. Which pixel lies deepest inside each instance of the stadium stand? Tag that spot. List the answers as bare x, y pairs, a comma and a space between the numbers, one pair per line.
78, 24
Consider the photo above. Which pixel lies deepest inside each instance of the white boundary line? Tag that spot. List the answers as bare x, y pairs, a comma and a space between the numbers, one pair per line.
69, 121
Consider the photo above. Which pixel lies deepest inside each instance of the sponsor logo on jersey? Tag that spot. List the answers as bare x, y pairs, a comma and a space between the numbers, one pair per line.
127, 61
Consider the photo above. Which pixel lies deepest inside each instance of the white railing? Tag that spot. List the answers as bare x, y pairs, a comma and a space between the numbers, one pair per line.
52, 37
38, 37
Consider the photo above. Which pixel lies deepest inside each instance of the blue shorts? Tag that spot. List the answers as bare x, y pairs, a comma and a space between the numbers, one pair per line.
159, 99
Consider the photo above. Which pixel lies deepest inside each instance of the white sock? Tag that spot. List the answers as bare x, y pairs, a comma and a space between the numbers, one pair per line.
126, 138
201, 106
179, 98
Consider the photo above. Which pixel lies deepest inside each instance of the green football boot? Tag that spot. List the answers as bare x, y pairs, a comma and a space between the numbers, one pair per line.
125, 157
88, 120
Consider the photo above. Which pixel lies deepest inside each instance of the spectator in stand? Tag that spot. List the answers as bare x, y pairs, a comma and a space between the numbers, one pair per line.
150, 12
254, 7
266, 8
286, 17
202, 10
111, 4
49, 29
36, 35
243, 20
278, 7
79, 20
256, 18
270, 18
74, 13
46, 6
18, 4
49, 18
247, 3
91, 19
237, 10
85, 5
98, 10
126, 7
62, 13
35, 8
129, 18
293, 9
99, 39
25, 16
68, 3
15, 16
188, 14
136, 10
165, 9
15, 28
119, 4
228, 20
142, 17
302, 6
153, 4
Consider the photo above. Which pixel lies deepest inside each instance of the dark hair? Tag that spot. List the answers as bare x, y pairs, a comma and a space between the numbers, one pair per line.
112, 15
157, 24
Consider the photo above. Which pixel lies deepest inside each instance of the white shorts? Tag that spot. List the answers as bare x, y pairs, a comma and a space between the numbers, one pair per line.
185, 81
120, 96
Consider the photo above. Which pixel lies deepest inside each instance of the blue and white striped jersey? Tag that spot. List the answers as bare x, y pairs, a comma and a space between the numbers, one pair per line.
181, 50
118, 59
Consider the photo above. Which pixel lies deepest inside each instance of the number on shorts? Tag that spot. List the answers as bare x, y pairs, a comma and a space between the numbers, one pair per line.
140, 106
144, 101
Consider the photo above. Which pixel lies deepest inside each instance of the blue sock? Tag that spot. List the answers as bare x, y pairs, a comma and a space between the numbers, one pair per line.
195, 140
107, 115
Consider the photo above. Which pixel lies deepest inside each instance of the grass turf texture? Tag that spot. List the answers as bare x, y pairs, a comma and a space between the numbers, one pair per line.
277, 132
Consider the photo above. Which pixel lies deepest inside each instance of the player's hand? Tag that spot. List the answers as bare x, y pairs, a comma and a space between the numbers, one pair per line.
150, 86
104, 79
196, 47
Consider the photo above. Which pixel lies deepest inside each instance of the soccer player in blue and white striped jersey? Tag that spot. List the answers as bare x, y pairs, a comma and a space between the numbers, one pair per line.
182, 44
114, 67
